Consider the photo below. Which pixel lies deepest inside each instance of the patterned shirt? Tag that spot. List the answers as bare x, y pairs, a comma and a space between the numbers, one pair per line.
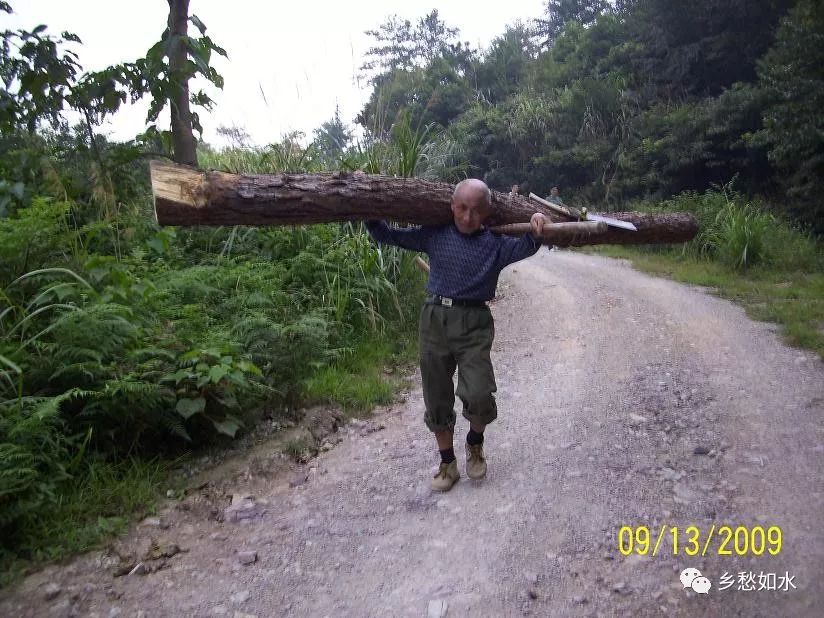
462, 266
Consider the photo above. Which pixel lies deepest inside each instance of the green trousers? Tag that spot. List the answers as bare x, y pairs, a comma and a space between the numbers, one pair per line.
450, 338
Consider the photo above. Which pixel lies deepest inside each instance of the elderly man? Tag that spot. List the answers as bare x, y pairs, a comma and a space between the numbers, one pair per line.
456, 327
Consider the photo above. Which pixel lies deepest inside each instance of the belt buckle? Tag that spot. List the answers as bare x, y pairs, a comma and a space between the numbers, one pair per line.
446, 302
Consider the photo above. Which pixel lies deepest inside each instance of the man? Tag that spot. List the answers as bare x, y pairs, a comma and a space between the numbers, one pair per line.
456, 327
554, 196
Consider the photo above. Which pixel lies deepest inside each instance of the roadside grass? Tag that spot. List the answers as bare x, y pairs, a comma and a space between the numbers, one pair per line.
100, 504
793, 298
367, 376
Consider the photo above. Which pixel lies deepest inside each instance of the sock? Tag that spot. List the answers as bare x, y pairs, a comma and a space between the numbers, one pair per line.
473, 438
447, 455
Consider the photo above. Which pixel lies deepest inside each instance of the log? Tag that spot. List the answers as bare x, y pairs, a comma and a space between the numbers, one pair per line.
188, 196
556, 233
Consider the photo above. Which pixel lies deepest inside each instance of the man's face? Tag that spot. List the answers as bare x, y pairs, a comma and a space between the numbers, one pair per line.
469, 210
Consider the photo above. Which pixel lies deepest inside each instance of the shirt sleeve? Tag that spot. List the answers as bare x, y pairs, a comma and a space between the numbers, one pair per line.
413, 238
515, 249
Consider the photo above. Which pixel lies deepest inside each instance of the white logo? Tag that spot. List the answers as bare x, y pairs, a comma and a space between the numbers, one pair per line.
692, 578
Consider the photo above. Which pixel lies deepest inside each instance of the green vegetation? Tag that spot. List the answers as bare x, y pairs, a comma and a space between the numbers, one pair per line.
620, 101
124, 345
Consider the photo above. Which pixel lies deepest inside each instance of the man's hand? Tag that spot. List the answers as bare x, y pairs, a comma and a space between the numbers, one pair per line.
536, 224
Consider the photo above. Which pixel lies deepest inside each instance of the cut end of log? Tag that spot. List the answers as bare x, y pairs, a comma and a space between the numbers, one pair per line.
177, 188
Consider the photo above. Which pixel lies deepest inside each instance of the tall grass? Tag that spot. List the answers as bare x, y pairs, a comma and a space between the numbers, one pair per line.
740, 234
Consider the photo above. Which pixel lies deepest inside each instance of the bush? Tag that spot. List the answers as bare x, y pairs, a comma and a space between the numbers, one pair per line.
739, 235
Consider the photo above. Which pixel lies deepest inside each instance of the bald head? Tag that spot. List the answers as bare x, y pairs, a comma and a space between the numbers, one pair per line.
473, 189
471, 205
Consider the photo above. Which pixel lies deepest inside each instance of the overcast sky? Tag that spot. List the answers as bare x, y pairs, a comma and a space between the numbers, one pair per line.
289, 62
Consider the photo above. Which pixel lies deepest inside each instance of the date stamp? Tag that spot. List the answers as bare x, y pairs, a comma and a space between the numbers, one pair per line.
721, 540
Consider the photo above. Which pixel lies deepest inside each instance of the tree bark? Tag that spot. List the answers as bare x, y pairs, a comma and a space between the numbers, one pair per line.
187, 196
183, 139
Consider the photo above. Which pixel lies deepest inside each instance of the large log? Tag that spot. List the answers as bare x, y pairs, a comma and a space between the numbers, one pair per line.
187, 196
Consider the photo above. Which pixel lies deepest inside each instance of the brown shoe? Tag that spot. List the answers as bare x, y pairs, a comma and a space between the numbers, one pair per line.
475, 461
446, 477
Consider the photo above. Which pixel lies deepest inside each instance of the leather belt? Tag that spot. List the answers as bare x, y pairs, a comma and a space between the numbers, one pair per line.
458, 302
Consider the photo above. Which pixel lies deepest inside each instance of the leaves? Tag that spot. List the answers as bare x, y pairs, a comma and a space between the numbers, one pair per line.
228, 426
189, 407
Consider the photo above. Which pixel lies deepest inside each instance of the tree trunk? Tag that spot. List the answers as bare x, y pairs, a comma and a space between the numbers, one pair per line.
183, 140
186, 196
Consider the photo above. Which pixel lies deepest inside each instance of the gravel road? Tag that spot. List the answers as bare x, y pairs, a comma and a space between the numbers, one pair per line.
623, 400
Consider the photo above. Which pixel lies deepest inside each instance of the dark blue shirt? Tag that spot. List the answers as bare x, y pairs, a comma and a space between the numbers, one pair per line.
464, 266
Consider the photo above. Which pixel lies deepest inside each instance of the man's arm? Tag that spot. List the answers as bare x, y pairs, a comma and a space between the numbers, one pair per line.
413, 238
515, 249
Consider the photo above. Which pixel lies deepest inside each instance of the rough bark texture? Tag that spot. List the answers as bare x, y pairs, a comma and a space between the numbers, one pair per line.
183, 140
187, 196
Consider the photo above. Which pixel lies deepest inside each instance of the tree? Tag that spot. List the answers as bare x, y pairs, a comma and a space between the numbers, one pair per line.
561, 12
792, 77
183, 139
332, 139
503, 68
168, 81
40, 82
699, 48
402, 48
37, 79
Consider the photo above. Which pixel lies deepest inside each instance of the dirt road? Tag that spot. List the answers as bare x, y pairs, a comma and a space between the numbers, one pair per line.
623, 400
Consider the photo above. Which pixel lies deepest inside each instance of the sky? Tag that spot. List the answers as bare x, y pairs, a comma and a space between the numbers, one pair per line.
289, 63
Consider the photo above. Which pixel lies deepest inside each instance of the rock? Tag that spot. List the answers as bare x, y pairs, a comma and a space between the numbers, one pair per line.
241, 597
139, 569
579, 599
621, 588
239, 497
156, 552
299, 480
669, 474
701, 450
436, 608
637, 418
247, 557
684, 495
51, 591
246, 510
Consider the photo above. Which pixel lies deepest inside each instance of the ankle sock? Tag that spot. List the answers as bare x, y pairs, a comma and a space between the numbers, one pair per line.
473, 438
447, 455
